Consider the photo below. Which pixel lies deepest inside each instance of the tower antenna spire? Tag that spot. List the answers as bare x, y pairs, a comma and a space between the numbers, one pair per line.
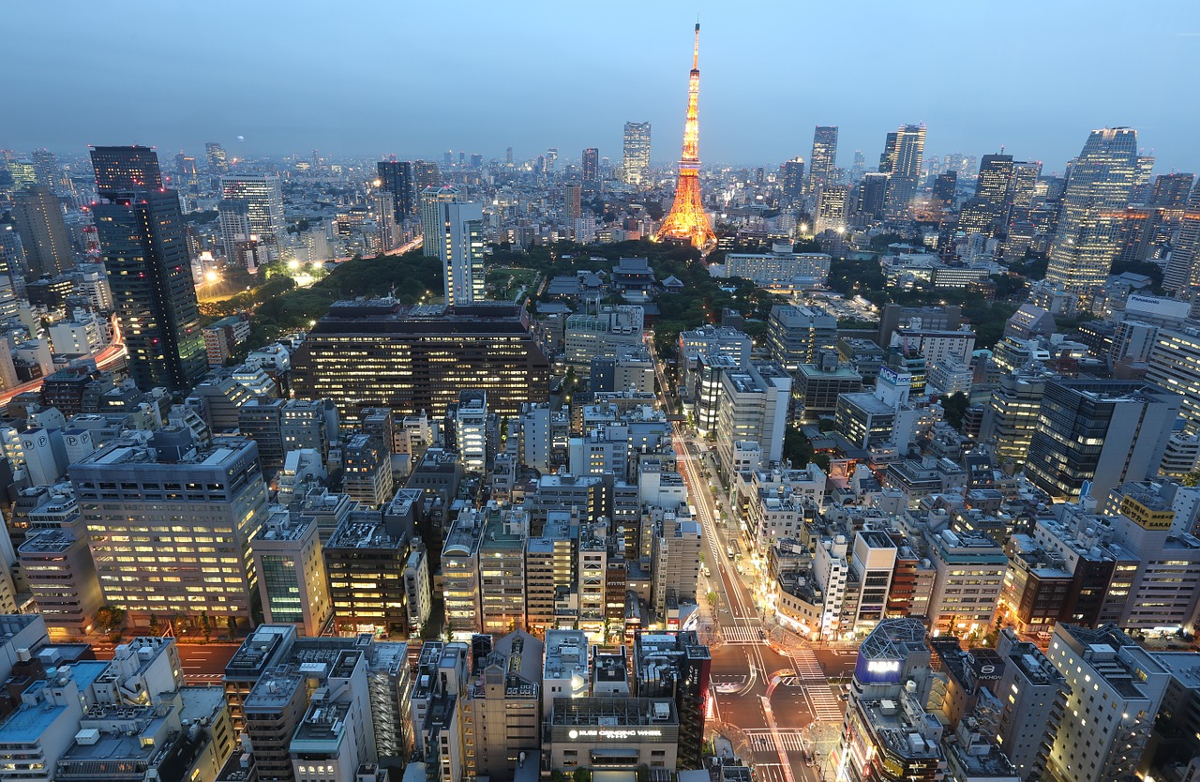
696, 50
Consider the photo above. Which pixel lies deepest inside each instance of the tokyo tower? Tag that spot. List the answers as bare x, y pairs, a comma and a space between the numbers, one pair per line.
687, 219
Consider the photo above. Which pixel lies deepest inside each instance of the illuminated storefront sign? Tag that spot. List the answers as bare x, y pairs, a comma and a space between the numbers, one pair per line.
619, 734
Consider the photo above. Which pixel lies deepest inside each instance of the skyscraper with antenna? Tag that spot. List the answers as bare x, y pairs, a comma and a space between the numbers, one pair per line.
687, 220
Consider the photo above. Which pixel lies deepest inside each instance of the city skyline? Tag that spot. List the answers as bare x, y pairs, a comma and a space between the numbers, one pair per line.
335, 108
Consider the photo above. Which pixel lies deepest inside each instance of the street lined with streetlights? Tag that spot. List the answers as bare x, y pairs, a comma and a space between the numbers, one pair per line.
763, 694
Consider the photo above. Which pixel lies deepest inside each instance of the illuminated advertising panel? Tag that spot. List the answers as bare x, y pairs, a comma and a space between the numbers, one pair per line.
876, 671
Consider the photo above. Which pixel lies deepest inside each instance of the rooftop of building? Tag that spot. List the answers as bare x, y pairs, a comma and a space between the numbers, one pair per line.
566, 654
814, 372
286, 528
201, 701
386, 315
11, 624
403, 501
743, 383
31, 719
657, 646
168, 451
567, 480
1103, 647
1033, 664
274, 688
465, 534
708, 332
613, 712
322, 727
897, 732
364, 530
967, 548
718, 361
51, 541
795, 315
128, 743
519, 656
976, 764
1184, 666
259, 649
894, 639
877, 539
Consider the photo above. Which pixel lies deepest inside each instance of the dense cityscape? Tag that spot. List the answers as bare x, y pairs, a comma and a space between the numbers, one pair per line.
600, 464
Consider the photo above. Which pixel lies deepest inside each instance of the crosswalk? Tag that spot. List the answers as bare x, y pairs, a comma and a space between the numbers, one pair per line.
807, 667
763, 740
824, 704
740, 635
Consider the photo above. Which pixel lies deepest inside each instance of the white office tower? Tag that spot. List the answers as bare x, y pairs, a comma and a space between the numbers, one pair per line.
454, 235
260, 197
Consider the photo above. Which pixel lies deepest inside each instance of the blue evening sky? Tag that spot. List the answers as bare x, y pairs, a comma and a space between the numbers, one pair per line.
417, 78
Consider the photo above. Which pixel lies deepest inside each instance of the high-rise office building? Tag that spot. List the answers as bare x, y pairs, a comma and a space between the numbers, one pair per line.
214, 154
430, 213
832, 208
822, 163
1023, 185
1171, 190
888, 156
1114, 690
793, 180
453, 233
237, 236
872, 195
1175, 365
986, 211
150, 565
1034, 697
572, 202
262, 195
503, 704
121, 169
944, 188
365, 558
141, 238
380, 354
292, 580
43, 232
396, 177
859, 166
1098, 189
591, 164
426, 174
386, 233
902, 157
1183, 273
45, 168
1094, 435
795, 334
636, 165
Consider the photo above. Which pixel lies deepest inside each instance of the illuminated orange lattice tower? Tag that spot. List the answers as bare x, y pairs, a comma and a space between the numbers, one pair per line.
687, 219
